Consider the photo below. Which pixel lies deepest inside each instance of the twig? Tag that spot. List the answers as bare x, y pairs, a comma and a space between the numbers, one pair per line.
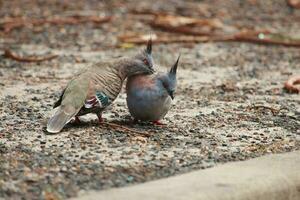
257, 37
146, 12
13, 23
11, 55
265, 37
126, 129
186, 25
290, 84
182, 29
209, 30
273, 110
141, 39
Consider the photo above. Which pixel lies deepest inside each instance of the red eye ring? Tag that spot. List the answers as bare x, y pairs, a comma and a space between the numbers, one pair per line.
146, 62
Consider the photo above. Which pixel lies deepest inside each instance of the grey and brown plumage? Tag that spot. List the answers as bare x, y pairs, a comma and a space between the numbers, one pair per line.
149, 97
97, 87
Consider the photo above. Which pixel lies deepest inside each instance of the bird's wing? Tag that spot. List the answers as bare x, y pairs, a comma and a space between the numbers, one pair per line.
58, 102
105, 87
96, 87
71, 101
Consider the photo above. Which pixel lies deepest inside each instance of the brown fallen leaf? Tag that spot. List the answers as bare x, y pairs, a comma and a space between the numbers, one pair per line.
257, 37
294, 3
252, 2
266, 37
146, 12
12, 23
208, 30
51, 196
186, 25
167, 38
9, 54
291, 83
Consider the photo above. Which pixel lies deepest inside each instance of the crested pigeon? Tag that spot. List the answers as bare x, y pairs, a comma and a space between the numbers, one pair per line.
149, 97
97, 87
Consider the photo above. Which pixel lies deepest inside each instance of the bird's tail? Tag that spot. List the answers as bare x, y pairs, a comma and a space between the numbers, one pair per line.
58, 120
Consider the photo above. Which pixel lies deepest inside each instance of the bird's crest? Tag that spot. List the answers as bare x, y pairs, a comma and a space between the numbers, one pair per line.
173, 69
148, 49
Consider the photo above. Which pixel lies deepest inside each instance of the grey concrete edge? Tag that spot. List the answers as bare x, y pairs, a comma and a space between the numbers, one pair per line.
271, 177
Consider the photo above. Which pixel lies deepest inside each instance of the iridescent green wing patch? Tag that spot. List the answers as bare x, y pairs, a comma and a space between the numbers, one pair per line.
102, 99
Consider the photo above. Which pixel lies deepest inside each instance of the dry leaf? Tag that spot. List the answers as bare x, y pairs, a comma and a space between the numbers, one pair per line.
294, 3
266, 37
12, 23
143, 39
291, 83
187, 25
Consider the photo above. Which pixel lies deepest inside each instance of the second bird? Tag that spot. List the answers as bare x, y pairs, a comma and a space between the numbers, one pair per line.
149, 97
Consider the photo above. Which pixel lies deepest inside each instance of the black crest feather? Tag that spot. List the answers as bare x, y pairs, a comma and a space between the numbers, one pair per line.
149, 46
174, 67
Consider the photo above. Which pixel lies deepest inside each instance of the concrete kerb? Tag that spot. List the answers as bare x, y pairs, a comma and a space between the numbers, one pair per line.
271, 177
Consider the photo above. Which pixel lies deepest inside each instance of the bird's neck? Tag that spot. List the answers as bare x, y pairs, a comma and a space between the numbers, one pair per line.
125, 67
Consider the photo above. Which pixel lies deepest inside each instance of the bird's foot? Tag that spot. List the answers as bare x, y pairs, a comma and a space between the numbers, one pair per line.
100, 119
158, 123
76, 120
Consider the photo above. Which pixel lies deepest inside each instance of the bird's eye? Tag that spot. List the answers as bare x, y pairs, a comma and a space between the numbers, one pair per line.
146, 62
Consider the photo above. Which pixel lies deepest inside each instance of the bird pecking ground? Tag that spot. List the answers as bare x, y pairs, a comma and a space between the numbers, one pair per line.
230, 103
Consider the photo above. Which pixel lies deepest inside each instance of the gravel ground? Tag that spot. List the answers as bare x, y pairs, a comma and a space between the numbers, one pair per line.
229, 105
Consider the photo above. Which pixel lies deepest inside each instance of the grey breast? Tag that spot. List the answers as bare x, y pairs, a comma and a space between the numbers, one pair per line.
148, 104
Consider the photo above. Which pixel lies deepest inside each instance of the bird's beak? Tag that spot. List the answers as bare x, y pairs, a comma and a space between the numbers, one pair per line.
152, 70
171, 94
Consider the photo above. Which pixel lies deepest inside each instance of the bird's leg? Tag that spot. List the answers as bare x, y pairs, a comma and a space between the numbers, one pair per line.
135, 121
77, 120
157, 122
100, 119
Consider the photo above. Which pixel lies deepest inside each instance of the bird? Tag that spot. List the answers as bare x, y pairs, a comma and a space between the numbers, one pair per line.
96, 87
149, 97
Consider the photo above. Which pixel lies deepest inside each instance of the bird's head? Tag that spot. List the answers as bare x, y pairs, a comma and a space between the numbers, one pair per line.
143, 61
